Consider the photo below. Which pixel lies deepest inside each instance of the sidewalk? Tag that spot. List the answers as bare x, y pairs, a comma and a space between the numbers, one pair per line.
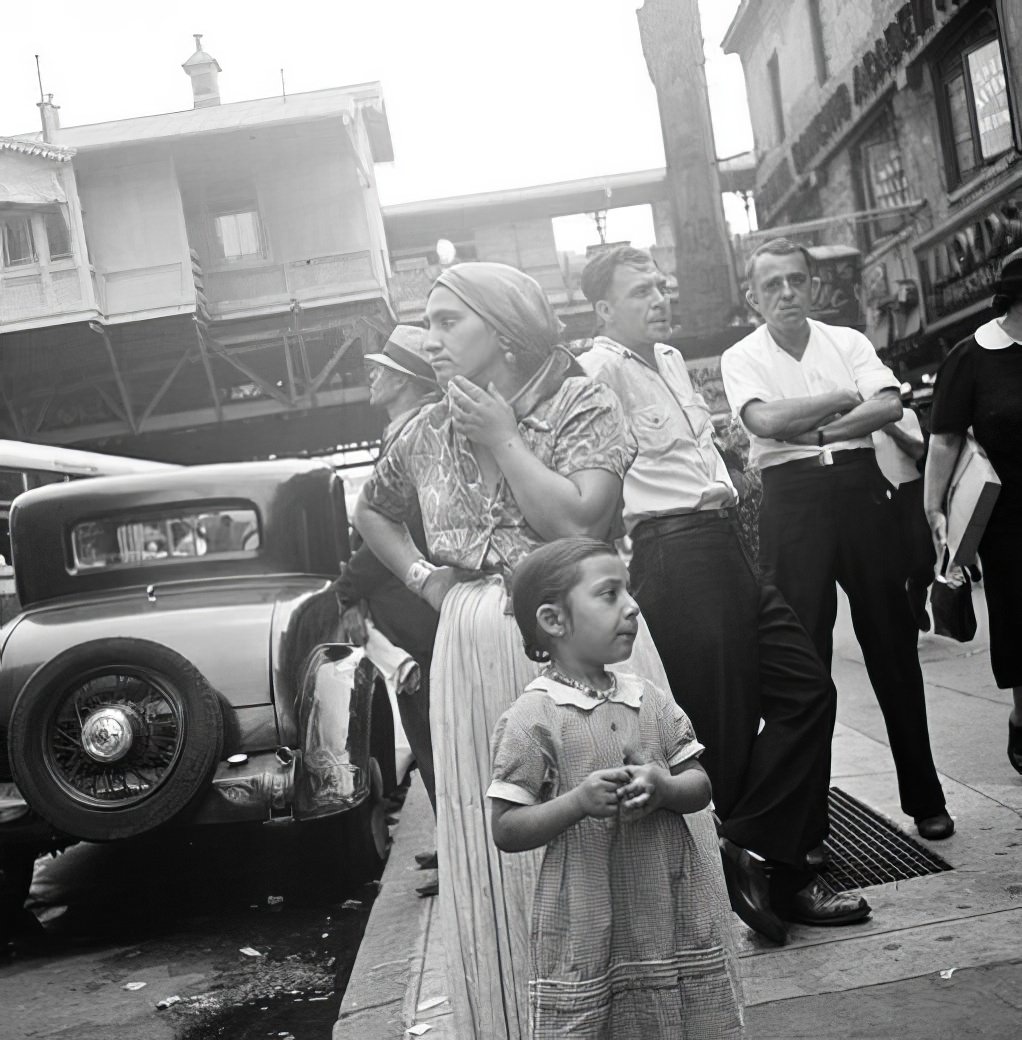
878, 980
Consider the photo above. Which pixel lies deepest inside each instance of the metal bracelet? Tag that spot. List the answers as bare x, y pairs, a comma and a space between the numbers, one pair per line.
418, 574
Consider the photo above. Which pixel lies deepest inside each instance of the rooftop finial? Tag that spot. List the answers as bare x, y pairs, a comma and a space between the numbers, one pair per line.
198, 41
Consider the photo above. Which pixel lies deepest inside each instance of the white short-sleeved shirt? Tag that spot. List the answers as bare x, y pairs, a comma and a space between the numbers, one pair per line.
895, 463
835, 358
678, 468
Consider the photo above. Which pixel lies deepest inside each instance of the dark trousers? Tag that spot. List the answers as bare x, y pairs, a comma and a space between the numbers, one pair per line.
735, 653
821, 526
414, 711
919, 556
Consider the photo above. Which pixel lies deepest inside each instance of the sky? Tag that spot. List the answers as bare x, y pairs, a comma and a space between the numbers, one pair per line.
481, 94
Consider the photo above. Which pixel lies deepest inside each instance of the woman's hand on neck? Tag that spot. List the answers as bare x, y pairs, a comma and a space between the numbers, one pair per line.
506, 379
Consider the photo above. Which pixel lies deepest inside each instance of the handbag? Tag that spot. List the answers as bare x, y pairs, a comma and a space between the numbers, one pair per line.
953, 613
971, 495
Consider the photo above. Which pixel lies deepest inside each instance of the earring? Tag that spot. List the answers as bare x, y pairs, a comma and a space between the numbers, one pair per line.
509, 356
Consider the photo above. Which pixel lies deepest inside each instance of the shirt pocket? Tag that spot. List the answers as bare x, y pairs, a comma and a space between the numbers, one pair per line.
652, 427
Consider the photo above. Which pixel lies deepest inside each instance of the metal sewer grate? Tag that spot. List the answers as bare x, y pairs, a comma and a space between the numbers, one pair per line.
865, 849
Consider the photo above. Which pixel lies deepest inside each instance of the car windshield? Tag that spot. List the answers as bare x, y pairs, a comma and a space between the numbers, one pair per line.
177, 533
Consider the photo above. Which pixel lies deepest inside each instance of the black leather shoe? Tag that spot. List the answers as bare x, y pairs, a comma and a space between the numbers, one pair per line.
426, 860
431, 888
1015, 746
936, 827
817, 905
748, 888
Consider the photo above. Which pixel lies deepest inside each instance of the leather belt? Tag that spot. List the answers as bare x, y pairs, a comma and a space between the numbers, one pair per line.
673, 522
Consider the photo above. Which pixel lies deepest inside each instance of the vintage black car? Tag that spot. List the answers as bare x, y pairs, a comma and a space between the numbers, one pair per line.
176, 661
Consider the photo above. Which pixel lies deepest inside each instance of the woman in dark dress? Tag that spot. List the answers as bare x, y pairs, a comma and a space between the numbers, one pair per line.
980, 386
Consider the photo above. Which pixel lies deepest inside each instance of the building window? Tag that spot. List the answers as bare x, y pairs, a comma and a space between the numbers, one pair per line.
774, 75
881, 177
238, 233
57, 234
972, 94
18, 243
816, 31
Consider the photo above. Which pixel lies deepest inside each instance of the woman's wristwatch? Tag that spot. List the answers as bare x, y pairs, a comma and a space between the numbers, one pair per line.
418, 574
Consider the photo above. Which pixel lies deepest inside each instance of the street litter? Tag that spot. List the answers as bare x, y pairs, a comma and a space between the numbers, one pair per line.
947, 973
431, 1003
134, 985
419, 1029
162, 1005
249, 952
274, 900
351, 904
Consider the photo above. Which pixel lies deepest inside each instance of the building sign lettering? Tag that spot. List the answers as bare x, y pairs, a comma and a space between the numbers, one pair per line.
960, 269
889, 52
825, 125
885, 56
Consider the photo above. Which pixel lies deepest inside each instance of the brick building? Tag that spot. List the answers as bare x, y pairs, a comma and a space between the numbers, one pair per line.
892, 129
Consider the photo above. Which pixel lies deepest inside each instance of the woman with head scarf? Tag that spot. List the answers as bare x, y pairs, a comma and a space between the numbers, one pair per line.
980, 386
523, 450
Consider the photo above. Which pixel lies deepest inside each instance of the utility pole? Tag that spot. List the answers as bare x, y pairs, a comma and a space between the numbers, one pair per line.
672, 42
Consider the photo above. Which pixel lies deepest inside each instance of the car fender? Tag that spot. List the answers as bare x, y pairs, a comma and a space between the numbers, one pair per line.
344, 720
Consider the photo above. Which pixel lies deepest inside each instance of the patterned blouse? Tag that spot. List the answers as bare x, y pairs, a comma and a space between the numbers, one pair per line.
580, 426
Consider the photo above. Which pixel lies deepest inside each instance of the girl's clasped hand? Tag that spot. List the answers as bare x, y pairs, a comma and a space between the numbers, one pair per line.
630, 792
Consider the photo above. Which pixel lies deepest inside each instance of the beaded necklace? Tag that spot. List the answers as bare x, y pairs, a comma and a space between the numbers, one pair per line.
577, 684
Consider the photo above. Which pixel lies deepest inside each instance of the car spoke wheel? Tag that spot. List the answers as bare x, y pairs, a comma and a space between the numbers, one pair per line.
114, 738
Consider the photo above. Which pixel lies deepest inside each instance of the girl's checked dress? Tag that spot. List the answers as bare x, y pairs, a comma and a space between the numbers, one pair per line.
631, 925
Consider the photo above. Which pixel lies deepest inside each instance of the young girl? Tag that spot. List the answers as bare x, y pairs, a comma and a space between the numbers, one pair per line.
630, 921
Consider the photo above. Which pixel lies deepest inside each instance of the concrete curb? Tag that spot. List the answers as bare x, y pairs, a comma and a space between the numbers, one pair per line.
377, 1004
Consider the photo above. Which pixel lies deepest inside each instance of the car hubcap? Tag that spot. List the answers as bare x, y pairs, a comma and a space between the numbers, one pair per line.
108, 734
114, 737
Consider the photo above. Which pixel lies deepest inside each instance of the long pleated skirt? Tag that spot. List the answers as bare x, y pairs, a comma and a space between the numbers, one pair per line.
479, 668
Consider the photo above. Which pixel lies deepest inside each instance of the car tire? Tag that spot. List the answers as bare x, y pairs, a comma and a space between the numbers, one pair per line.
132, 699
360, 838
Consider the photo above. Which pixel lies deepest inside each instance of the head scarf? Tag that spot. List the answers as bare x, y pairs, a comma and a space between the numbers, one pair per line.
509, 300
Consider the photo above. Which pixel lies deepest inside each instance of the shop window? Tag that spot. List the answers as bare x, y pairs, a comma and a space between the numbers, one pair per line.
238, 233
972, 95
881, 177
18, 242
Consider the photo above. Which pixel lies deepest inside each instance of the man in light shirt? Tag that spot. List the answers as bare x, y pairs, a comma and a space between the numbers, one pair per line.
733, 650
811, 395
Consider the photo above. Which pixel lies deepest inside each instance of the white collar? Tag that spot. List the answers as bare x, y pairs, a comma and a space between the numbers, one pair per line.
992, 336
628, 692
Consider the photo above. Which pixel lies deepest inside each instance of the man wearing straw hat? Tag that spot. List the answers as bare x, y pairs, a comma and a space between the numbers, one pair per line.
401, 381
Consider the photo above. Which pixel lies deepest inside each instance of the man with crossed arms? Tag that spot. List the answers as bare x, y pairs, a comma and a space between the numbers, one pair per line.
811, 395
